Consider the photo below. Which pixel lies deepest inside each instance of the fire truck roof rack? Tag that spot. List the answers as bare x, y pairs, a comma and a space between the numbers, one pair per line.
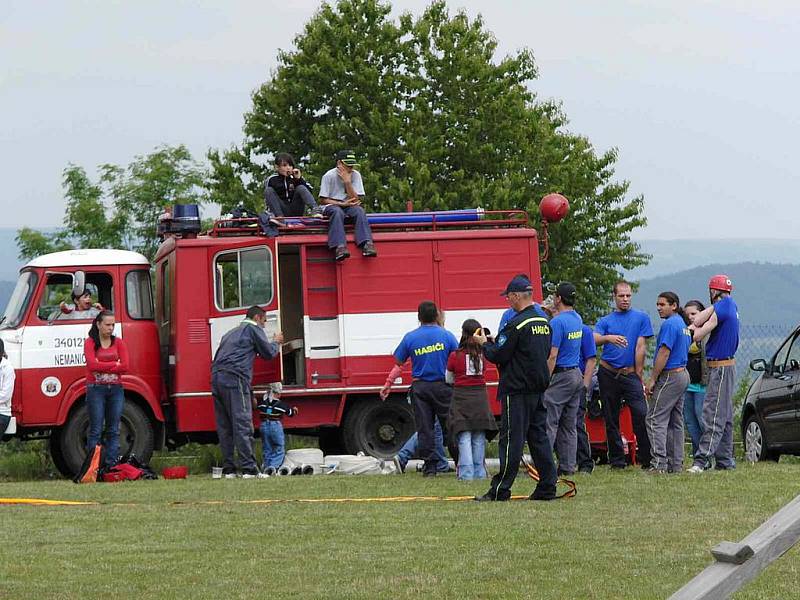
472, 218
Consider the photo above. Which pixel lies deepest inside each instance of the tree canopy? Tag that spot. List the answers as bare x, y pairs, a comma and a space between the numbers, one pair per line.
438, 119
121, 209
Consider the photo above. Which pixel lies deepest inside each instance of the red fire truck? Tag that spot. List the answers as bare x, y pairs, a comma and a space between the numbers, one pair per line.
341, 321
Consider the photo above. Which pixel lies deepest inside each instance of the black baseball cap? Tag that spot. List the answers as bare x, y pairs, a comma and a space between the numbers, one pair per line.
520, 283
348, 157
567, 291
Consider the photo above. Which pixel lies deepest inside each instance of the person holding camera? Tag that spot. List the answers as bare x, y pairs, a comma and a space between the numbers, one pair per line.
470, 420
286, 193
342, 191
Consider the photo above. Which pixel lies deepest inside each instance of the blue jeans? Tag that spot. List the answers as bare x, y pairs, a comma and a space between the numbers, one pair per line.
104, 402
273, 444
409, 449
471, 452
693, 416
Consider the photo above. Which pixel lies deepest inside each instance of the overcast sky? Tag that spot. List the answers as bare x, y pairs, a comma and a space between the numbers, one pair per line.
700, 98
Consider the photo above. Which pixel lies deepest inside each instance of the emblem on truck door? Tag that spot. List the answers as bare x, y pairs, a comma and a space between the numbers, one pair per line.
51, 386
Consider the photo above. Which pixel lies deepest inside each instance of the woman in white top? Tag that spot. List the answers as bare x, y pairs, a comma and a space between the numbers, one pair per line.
6, 388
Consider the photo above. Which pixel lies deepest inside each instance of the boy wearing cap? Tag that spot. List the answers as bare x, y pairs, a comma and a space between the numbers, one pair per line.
720, 322
563, 396
521, 352
341, 193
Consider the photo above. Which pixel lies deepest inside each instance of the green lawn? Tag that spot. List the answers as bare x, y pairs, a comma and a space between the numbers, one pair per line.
626, 535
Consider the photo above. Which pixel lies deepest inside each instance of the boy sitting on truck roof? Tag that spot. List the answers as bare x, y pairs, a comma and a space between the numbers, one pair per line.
342, 191
286, 193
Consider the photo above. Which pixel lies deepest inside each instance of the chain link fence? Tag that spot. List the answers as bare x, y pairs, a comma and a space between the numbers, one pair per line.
758, 341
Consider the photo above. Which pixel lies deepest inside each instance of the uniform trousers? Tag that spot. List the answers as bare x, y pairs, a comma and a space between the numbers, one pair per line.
665, 420
431, 401
234, 414
717, 440
524, 418
614, 390
562, 398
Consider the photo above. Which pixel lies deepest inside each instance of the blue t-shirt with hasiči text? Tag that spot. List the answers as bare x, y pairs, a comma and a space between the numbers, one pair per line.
631, 323
588, 347
675, 335
566, 333
428, 347
724, 339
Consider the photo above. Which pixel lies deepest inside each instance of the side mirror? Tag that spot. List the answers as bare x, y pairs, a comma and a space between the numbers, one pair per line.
78, 283
758, 364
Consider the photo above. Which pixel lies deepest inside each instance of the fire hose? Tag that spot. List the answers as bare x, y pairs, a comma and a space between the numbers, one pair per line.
572, 489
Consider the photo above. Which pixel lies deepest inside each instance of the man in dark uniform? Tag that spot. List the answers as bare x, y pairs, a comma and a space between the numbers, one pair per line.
520, 352
231, 373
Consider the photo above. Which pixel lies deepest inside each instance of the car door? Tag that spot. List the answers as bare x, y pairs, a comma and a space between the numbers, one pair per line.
779, 393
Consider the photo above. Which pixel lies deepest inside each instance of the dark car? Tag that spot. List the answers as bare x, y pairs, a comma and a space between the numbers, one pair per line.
771, 412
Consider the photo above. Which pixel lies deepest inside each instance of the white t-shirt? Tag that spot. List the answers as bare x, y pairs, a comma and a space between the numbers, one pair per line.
7, 377
332, 185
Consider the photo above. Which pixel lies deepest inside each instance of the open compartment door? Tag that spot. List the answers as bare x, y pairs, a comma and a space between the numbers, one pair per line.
244, 277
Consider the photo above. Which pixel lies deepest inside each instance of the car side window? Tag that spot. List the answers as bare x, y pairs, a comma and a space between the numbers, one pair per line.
793, 358
790, 349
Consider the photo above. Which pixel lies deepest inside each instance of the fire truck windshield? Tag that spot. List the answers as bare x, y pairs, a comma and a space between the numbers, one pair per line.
19, 301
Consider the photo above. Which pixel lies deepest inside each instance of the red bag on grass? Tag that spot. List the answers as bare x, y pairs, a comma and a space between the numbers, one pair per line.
122, 472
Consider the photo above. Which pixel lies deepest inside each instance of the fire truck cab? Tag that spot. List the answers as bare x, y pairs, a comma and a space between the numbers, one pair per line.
341, 322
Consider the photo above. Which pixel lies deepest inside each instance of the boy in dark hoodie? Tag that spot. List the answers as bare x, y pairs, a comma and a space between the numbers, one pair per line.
286, 193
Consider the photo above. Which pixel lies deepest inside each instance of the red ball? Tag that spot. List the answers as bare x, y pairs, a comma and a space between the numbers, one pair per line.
554, 207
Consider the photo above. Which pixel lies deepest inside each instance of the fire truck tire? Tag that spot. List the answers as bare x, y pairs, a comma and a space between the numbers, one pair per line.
135, 435
330, 442
378, 428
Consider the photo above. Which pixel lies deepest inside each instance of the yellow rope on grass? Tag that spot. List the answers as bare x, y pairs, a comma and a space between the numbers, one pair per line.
45, 502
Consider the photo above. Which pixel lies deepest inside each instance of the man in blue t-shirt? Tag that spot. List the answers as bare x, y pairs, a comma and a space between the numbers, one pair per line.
563, 395
720, 322
668, 382
428, 346
623, 334
586, 365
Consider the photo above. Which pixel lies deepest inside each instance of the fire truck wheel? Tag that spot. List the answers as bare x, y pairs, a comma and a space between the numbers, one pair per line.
330, 442
67, 445
378, 428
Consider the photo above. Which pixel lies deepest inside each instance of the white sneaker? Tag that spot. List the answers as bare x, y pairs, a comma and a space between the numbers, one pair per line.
255, 476
695, 469
230, 475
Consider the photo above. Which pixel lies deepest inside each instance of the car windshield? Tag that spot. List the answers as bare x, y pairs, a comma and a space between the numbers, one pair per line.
18, 303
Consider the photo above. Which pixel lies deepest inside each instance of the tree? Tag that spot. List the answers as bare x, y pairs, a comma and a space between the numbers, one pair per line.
439, 120
120, 210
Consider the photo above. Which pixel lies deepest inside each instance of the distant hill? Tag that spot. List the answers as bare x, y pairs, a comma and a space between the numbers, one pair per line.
673, 256
765, 293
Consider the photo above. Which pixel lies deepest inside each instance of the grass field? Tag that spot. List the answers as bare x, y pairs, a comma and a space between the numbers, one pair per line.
626, 535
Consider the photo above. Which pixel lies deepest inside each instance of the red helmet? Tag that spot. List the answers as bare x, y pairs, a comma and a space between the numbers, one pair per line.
722, 283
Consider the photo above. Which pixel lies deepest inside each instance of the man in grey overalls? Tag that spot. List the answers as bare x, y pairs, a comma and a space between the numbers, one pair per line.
231, 374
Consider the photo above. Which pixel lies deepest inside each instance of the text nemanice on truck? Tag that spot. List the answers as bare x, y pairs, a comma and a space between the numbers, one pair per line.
341, 322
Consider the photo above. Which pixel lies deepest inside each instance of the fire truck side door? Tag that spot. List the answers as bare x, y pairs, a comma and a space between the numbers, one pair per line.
244, 277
